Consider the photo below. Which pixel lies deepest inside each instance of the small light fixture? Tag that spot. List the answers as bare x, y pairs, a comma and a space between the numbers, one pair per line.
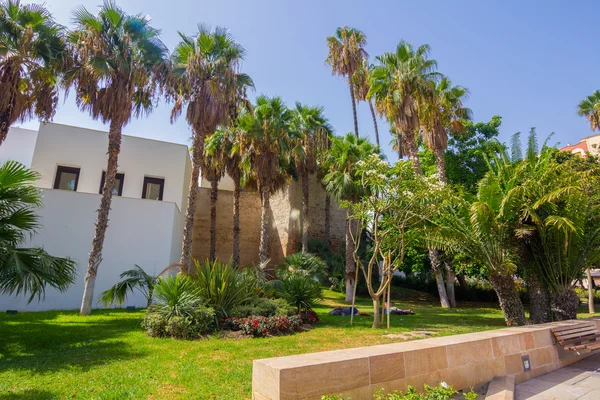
11, 312
526, 363
130, 308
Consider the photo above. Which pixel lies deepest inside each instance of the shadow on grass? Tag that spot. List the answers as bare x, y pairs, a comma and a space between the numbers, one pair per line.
29, 394
38, 343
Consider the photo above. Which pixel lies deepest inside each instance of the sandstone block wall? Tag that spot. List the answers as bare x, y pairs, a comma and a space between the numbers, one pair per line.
286, 220
462, 361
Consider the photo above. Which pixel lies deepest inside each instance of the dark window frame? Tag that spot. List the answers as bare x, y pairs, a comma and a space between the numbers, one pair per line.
60, 169
119, 175
159, 181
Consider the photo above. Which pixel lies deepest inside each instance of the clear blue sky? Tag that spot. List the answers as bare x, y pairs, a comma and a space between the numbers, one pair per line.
530, 62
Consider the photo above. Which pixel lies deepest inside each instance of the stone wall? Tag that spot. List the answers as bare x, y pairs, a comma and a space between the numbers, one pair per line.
462, 361
286, 219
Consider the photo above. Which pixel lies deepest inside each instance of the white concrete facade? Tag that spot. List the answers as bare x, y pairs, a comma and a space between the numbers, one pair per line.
141, 231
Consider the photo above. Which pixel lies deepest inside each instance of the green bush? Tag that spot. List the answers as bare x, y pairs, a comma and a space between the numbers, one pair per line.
224, 287
583, 294
304, 264
263, 307
176, 296
300, 291
439, 392
154, 324
190, 326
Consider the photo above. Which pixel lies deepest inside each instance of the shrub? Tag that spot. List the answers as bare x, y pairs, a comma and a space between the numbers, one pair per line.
154, 324
583, 294
189, 326
304, 264
263, 307
309, 317
259, 326
176, 296
440, 392
300, 291
224, 287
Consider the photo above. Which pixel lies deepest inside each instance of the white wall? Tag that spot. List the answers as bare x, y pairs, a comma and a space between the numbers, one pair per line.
87, 149
139, 232
18, 146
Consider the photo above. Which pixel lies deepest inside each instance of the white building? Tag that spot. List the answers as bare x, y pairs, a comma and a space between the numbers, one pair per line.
146, 218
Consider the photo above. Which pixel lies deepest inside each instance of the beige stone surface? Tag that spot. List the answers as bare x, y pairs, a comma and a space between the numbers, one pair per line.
387, 367
526, 340
468, 353
539, 357
506, 345
424, 361
501, 388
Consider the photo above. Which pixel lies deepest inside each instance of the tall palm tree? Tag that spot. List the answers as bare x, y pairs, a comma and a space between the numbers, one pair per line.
590, 109
268, 139
398, 83
213, 169
26, 271
203, 78
314, 133
116, 61
32, 52
360, 79
346, 54
341, 181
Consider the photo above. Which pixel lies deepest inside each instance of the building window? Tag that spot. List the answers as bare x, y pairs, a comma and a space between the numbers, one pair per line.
67, 178
118, 189
153, 188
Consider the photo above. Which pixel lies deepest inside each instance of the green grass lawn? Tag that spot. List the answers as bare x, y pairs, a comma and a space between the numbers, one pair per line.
56, 355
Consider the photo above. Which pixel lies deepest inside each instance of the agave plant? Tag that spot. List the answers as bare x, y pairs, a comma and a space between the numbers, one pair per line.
176, 296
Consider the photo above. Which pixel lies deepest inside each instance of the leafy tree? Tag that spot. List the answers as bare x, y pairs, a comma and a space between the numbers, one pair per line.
360, 80
269, 141
342, 182
346, 55
26, 271
32, 53
314, 133
135, 278
116, 60
590, 109
203, 78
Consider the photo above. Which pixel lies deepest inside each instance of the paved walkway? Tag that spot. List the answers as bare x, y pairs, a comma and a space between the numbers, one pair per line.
577, 381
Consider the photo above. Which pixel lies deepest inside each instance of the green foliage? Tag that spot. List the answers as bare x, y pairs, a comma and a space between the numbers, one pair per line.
26, 271
304, 264
263, 307
300, 291
223, 287
176, 296
335, 262
439, 392
135, 278
190, 326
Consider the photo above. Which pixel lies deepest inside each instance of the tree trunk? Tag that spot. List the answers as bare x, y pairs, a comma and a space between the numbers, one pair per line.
328, 219
305, 222
564, 304
150, 294
114, 148
353, 106
539, 299
399, 146
450, 279
376, 310
4, 127
236, 221
510, 303
214, 195
591, 308
440, 164
350, 264
463, 282
408, 139
265, 226
436, 266
374, 122
188, 227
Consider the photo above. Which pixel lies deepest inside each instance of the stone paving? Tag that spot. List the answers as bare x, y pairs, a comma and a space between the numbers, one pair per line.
577, 381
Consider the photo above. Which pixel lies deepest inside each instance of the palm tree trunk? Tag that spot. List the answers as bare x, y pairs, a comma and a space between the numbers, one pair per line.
214, 195
436, 266
440, 164
463, 282
188, 227
4, 126
591, 308
236, 220
353, 106
410, 142
399, 146
374, 122
350, 264
539, 299
114, 148
265, 223
510, 303
150, 294
450, 279
305, 222
564, 303
328, 219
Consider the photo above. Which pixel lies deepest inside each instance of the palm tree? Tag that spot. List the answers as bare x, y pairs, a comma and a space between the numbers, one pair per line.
398, 83
116, 61
314, 134
346, 54
360, 79
268, 140
203, 78
135, 278
26, 271
590, 109
341, 181
32, 51
213, 169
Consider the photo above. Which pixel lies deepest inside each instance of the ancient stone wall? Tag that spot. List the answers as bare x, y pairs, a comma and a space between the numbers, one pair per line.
286, 220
